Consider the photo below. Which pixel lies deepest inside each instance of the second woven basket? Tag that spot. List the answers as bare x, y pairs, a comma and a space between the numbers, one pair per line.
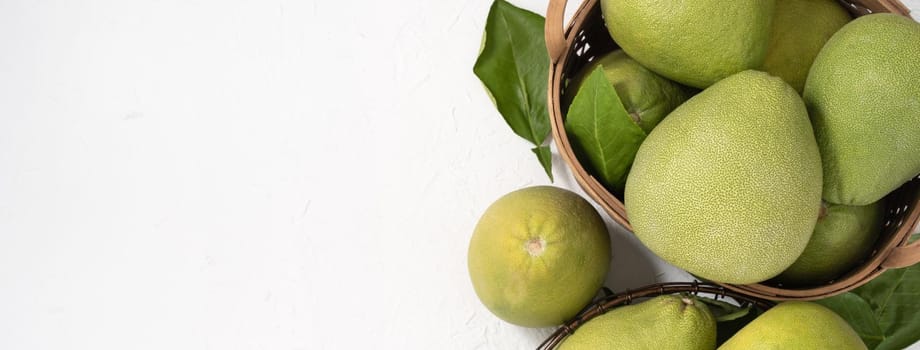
613, 301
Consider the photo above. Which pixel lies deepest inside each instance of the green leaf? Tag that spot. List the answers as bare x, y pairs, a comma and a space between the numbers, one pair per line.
858, 314
602, 131
724, 311
546, 159
886, 311
513, 65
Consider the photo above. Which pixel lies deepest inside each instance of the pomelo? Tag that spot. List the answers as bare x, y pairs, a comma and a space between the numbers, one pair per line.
728, 186
647, 96
843, 236
664, 322
538, 255
800, 29
796, 325
695, 43
863, 96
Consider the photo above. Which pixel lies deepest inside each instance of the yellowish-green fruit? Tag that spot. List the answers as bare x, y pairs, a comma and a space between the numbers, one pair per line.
538, 255
696, 43
863, 96
843, 236
728, 186
663, 323
800, 29
796, 325
647, 97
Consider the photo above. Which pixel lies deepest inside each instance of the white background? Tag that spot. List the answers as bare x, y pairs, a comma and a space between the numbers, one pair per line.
254, 175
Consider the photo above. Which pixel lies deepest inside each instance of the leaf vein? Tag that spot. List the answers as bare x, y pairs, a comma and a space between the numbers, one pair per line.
884, 305
522, 87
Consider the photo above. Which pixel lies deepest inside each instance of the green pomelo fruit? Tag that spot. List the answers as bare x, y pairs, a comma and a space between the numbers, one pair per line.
538, 255
696, 43
647, 97
800, 29
663, 323
863, 96
843, 236
796, 325
728, 186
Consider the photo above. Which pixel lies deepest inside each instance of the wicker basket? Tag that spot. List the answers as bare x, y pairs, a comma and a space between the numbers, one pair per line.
586, 37
611, 301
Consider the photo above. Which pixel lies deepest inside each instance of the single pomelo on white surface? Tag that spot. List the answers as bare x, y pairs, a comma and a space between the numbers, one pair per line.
538, 255
728, 186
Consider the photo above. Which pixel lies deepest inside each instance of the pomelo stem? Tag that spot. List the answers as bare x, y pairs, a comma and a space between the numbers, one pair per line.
535, 246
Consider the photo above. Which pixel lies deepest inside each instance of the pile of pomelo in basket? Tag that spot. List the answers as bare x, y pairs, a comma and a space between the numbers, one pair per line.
770, 142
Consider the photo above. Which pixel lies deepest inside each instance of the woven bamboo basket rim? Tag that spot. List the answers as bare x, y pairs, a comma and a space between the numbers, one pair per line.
612, 301
568, 45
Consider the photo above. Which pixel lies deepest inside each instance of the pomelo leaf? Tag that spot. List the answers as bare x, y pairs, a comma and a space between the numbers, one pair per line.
513, 65
886, 311
859, 315
545, 155
602, 131
724, 311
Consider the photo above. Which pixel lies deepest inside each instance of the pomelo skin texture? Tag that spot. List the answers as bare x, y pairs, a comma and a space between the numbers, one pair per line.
728, 186
796, 325
800, 29
695, 43
863, 96
648, 97
538, 255
663, 323
843, 236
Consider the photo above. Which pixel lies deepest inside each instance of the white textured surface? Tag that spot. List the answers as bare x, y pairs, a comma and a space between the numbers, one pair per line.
253, 175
